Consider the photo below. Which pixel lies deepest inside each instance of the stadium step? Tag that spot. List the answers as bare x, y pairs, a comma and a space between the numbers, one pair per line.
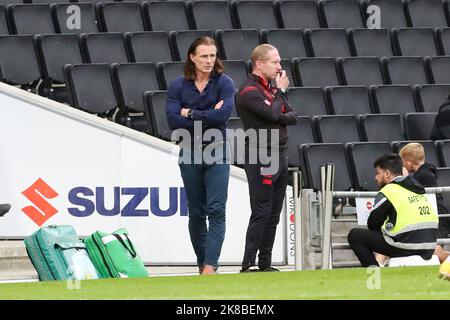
13, 256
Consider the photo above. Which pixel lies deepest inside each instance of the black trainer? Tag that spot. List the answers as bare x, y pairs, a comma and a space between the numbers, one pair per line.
268, 269
249, 269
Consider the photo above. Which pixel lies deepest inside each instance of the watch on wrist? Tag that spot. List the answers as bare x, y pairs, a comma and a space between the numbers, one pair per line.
189, 114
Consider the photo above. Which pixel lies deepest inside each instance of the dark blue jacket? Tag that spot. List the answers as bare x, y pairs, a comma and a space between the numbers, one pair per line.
183, 93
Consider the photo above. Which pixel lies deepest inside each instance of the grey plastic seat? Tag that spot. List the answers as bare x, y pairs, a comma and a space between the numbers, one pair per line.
301, 133
299, 14
320, 72
121, 17
444, 181
405, 70
351, 100
329, 43
18, 61
85, 81
337, 128
443, 36
307, 101
392, 13
168, 72
149, 46
236, 70
371, 42
341, 14
431, 96
290, 43
317, 155
167, 15
4, 29
255, 14
381, 127
427, 13
181, 41
105, 47
133, 79
155, 110
203, 10
361, 71
394, 99
237, 44
418, 126
415, 42
65, 23
444, 152
31, 18
362, 155
439, 69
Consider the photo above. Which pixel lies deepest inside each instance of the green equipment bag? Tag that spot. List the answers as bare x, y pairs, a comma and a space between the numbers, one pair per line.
114, 255
58, 254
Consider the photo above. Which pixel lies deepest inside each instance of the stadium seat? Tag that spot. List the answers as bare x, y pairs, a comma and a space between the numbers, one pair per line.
133, 79
337, 128
63, 13
443, 36
427, 13
4, 29
307, 101
181, 41
328, 43
299, 14
361, 71
121, 17
168, 71
349, 100
167, 15
85, 81
394, 99
149, 46
31, 18
362, 155
301, 133
439, 69
237, 44
18, 61
254, 14
237, 70
418, 126
203, 10
431, 154
444, 181
405, 70
392, 14
371, 42
444, 152
155, 110
317, 155
341, 14
381, 127
320, 72
237, 147
45, 1
415, 42
55, 51
290, 43
431, 96
105, 47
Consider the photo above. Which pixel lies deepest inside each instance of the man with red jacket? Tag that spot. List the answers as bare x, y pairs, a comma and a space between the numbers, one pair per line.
265, 113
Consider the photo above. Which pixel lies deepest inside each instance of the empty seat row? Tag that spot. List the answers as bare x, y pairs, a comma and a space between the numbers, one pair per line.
292, 14
401, 99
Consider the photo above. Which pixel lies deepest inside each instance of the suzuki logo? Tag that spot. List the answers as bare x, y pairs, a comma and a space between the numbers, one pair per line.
37, 193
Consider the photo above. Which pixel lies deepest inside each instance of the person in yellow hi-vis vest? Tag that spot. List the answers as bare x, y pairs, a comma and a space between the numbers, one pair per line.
402, 222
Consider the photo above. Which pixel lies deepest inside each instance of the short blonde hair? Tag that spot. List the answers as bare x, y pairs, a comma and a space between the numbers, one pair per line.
260, 52
413, 152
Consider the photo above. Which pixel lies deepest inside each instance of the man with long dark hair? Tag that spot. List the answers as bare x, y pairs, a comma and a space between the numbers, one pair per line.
203, 99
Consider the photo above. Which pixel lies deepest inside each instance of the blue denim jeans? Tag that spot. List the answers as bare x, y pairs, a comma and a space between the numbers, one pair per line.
206, 188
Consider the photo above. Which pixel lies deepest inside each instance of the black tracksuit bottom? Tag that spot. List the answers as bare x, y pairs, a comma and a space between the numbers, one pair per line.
267, 193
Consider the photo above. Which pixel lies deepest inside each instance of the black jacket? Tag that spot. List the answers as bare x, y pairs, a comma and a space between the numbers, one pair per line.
262, 106
427, 177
